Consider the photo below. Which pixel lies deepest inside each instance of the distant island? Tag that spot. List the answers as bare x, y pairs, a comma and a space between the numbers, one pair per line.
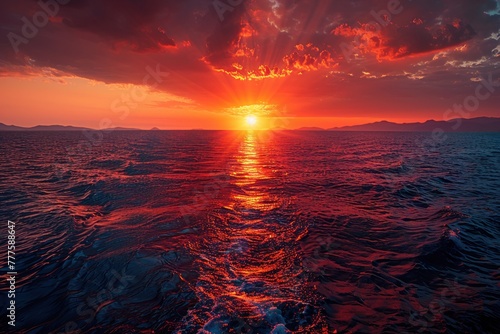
4, 127
310, 128
478, 124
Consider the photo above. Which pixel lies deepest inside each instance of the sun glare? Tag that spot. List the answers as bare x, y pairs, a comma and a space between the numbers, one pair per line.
251, 120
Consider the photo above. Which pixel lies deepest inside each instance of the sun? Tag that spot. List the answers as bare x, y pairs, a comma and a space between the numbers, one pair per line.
251, 120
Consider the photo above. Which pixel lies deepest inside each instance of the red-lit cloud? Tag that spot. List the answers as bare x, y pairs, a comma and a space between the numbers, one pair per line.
393, 42
317, 57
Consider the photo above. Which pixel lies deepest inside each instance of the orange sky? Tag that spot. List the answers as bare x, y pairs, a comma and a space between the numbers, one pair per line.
291, 64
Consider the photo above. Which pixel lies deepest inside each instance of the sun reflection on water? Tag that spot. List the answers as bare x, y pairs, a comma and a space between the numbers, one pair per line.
250, 175
250, 266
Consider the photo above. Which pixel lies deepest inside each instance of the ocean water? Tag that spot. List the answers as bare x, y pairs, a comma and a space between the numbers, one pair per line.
252, 232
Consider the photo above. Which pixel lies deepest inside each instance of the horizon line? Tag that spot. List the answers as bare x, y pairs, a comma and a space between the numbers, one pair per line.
60, 127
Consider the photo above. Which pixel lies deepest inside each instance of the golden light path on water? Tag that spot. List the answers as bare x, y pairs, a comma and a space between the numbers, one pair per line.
251, 272
253, 203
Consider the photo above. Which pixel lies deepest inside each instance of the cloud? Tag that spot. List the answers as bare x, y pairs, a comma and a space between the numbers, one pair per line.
393, 42
279, 51
132, 24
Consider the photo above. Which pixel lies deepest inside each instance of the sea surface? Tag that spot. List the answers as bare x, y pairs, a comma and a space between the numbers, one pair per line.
252, 232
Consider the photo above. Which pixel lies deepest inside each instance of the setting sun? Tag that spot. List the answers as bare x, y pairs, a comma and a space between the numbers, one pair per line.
251, 120
266, 166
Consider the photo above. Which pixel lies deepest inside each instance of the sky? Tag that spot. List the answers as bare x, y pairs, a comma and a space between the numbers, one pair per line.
209, 64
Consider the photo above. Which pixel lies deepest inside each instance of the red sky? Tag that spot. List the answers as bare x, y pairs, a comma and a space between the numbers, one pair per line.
206, 64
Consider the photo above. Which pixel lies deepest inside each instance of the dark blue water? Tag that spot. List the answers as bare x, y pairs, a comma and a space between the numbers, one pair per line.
252, 232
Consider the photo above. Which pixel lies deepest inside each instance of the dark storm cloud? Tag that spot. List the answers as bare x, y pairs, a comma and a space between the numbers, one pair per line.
114, 41
133, 22
225, 35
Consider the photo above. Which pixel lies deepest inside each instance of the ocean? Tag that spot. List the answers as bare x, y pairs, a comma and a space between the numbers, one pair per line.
252, 231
